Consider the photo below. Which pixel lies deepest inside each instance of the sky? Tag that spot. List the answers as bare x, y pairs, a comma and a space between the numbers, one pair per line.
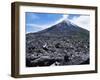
39, 21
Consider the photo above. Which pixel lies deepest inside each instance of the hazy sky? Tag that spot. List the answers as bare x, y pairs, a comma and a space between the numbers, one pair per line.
38, 21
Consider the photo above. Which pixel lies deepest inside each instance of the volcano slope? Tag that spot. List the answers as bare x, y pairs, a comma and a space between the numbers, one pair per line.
62, 44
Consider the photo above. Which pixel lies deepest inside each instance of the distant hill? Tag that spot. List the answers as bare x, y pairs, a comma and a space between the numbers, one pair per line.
62, 44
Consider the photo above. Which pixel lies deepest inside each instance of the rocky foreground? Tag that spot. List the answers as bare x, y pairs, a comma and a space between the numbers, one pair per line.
56, 46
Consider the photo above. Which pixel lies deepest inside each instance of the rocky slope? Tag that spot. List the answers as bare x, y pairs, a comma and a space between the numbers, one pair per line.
62, 44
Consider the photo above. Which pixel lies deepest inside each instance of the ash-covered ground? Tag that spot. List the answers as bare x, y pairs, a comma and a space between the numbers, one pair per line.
62, 44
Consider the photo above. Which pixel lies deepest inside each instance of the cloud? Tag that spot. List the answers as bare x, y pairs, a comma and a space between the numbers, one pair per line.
32, 25
64, 17
33, 16
82, 21
41, 27
30, 17
35, 28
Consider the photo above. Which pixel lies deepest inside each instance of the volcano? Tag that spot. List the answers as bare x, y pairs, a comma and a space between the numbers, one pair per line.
61, 44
